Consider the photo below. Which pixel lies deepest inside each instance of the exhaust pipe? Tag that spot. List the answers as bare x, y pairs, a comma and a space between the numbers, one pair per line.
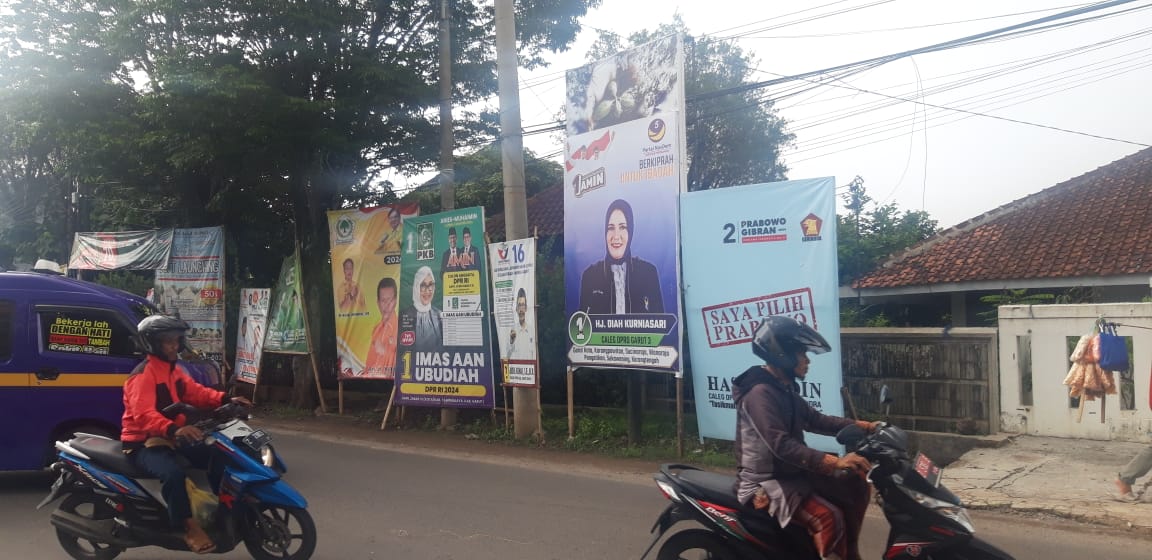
95, 530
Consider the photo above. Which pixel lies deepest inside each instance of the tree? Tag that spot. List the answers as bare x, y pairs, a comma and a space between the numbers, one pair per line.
480, 181
871, 233
258, 114
732, 139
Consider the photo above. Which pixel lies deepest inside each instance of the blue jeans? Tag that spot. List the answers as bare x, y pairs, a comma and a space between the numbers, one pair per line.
166, 464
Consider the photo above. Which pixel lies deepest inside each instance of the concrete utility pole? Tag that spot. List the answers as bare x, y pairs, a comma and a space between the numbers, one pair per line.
447, 143
526, 401
447, 177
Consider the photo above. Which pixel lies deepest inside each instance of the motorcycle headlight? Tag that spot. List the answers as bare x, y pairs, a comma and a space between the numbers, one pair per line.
949, 510
267, 457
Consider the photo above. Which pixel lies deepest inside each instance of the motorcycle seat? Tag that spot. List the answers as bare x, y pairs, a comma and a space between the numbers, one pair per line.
108, 453
716, 488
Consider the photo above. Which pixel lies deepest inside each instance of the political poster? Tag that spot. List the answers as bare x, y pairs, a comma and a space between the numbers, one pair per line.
286, 333
445, 354
623, 179
514, 306
750, 253
192, 287
250, 336
366, 244
122, 250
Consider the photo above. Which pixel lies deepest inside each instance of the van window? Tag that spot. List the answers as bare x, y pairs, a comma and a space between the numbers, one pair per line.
85, 331
5, 329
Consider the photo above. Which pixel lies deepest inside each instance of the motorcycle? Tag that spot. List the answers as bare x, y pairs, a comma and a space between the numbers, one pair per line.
927, 520
111, 505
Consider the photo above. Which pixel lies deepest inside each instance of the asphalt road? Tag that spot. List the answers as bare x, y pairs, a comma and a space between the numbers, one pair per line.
372, 501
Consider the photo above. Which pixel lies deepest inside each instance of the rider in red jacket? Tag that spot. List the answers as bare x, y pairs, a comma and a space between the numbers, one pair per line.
149, 436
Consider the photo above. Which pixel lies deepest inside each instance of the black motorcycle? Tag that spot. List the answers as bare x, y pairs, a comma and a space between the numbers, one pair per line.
928, 522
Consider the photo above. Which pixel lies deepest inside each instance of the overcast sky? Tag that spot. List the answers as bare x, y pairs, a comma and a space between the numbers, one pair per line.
957, 167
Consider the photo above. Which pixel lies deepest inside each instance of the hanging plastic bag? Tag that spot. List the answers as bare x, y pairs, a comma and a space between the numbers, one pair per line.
204, 503
1113, 351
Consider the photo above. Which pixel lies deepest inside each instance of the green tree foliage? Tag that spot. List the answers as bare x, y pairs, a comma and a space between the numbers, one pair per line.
480, 181
733, 139
260, 115
870, 233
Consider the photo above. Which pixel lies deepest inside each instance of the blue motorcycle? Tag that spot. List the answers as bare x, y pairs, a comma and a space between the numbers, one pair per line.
110, 505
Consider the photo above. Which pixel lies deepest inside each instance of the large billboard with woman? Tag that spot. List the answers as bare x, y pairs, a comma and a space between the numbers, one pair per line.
621, 235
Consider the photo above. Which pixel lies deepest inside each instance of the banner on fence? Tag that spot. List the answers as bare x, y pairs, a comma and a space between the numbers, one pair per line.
749, 253
250, 336
514, 305
192, 287
445, 352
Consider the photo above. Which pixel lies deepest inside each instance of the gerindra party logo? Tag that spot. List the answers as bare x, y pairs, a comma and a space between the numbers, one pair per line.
811, 226
736, 322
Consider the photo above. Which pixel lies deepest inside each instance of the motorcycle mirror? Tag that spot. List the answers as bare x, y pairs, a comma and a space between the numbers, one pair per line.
885, 395
850, 436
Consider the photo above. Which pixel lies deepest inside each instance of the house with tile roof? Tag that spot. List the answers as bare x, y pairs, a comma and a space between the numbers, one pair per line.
545, 215
1089, 237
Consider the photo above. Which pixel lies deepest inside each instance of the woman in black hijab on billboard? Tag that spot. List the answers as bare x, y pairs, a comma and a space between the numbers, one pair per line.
620, 283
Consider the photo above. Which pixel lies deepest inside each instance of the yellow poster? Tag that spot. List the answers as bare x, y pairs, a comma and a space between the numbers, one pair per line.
366, 244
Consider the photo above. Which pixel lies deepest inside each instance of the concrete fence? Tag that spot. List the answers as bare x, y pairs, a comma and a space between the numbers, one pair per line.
940, 381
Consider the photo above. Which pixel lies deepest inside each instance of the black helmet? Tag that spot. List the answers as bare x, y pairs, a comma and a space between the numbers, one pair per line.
778, 339
153, 326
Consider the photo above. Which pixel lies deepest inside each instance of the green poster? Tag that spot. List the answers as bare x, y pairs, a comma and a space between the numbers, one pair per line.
445, 354
286, 332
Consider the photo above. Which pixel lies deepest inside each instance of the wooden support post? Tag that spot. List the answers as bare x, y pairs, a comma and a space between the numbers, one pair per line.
679, 417
388, 409
571, 406
340, 397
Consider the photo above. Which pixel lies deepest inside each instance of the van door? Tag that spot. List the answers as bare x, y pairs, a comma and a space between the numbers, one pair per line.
83, 356
16, 441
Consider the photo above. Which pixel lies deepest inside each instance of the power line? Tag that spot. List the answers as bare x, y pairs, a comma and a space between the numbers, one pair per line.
876, 61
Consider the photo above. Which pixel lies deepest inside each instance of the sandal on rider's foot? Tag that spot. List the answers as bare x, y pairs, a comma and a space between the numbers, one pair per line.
200, 546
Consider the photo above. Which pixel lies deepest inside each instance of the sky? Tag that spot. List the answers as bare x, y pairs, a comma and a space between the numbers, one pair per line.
955, 166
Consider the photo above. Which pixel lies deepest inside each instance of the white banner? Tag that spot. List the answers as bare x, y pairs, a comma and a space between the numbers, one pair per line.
514, 303
250, 336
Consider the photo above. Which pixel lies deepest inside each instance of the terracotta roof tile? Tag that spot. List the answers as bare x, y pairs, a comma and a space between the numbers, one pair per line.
1097, 224
545, 213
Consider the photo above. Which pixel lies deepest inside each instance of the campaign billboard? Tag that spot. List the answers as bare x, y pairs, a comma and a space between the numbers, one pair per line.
250, 334
749, 253
623, 178
366, 246
514, 307
286, 333
444, 357
192, 287
122, 250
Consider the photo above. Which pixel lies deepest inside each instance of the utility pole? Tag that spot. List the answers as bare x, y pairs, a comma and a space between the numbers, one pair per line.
447, 177
447, 143
526, 403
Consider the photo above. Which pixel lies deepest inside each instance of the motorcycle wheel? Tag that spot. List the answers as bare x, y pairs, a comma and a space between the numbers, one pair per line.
91, 507
696, 544
273, 533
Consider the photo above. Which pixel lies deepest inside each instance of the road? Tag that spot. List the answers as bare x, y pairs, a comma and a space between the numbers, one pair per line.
371, 500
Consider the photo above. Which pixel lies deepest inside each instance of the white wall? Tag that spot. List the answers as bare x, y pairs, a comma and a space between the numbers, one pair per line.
1050, 414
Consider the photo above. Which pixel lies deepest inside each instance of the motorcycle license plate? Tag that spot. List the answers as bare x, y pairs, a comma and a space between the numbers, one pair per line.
257, 439
927, 469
